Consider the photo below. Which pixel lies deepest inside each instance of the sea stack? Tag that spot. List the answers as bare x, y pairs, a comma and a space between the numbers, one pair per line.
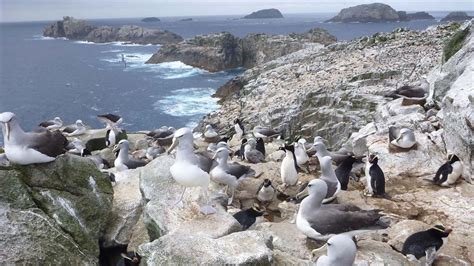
265, 13
151, 19
457, 16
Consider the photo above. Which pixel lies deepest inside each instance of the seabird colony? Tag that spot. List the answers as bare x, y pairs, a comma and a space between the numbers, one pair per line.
318, 216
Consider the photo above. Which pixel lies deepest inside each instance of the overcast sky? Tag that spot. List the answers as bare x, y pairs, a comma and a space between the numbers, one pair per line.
30, 10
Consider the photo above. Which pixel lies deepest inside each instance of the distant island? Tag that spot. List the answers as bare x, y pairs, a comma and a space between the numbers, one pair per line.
457, 16
151, 19
376, 12
77, 29
186, 19
265, 13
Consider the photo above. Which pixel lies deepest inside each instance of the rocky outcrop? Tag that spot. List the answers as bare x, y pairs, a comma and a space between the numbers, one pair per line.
213, 52
151, 19
330, 91
265, 13
456, 16
75, 29
53, 213
418, 16
221, 51
376, 12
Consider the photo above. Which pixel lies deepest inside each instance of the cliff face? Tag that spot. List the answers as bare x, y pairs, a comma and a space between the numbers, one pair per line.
367, 13
265, 13
217, 52
329, 91
76, 29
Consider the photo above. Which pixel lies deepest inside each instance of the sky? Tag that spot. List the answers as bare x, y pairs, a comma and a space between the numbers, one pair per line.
33, 10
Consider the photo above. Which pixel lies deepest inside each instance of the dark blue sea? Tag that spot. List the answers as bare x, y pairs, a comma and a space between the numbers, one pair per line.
41, 78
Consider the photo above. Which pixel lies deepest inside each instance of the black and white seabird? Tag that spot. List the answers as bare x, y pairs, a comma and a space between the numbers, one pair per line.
321, 151
210, 134
261, 146
113, 136
264, 132
248, 217
343, 171
229, 174
239, 128
76, 130
316, 220
288, 168
329, 177
251, 154
53, 124
30, 147
341, 251
163, 135
401, 137
187, 170
123, 161
425, 243
110, 120
375, 177
100, 162
301, 155
266, 192
449, 172
241, 152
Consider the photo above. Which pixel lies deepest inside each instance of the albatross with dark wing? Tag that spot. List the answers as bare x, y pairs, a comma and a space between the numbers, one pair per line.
53, 124
30, 147
329, 177
264, 132
123, 161
75, 130
318, 221
187, 170
110, 120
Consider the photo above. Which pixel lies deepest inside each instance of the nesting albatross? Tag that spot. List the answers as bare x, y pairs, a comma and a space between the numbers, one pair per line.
123, 161
187, 170
329, 177
30, 147
316, 220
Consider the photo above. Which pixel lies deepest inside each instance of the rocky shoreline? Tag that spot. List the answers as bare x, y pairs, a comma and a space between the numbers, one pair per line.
76, 29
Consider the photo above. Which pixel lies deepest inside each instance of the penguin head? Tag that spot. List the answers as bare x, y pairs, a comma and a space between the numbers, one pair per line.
85, 152
267, 182
440, 231
453, 158
373, 158
256, 210
244, 141
289, 148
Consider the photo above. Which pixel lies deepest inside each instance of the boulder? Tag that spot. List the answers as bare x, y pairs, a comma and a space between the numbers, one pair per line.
456, 16
265, 13
53, 213
376, 12
241, 248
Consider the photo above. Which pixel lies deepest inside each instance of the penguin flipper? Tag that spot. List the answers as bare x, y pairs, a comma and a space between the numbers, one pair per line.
443, 172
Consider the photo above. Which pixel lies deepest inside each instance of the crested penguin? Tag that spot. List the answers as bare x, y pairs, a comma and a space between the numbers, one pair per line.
449, 172
266, 191
375, 177
344, 170
248, 217
288, 169
422, 243
239, 127
260, 146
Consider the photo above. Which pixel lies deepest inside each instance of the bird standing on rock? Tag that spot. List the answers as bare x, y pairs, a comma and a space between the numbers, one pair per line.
187, 170
375, 177
425, 243
301, 155
343, 171
266, 191
30, 147
288, 168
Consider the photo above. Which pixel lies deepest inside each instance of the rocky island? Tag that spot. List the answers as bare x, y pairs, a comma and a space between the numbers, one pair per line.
265, 13
457, 16
151, 19
376, 12
76, 29
221, 51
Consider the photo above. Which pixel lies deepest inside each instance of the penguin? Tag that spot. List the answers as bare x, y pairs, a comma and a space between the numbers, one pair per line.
241, 152
375, 177
266, 191
248, 217
260, 146
422, 243
288, 169
239, 127
100, 162
449, 172
343, 171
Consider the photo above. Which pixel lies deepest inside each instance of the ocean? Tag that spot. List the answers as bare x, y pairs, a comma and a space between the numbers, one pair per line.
41, 78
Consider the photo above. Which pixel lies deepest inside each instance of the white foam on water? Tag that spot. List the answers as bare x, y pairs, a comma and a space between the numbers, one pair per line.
130, 44
188, 102
112, 51
45, 38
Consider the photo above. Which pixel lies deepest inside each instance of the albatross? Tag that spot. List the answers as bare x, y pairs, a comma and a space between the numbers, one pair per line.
401, 137
53, 124
30, 147
319, 221
341, 251
123, 161
75, 130
187, 170
329, 177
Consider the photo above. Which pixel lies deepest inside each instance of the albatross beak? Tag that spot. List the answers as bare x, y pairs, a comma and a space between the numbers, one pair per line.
319, 251
173, 145
116, 148
302, 194
215, 156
